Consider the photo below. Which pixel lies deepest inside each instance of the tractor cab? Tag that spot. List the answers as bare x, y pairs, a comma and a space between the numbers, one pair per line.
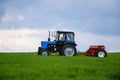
63, 37
63, 43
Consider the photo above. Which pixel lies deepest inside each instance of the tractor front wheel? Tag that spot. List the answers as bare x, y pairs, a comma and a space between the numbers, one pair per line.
101, 53
44, 52
69, 50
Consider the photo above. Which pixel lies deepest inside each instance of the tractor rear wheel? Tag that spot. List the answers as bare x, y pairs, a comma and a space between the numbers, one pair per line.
69, 50
101, 53
44, 52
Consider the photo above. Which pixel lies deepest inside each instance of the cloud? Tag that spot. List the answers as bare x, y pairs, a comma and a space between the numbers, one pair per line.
97, 17
20, 17
21, 39
7, 18
85, 39
30, 39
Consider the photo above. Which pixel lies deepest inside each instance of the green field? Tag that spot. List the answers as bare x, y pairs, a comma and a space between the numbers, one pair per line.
23, 66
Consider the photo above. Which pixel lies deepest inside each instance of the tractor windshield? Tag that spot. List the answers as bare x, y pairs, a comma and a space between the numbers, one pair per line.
62, 37
54, 35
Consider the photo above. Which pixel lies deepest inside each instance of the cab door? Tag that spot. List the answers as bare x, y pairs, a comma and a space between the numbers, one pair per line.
61, 40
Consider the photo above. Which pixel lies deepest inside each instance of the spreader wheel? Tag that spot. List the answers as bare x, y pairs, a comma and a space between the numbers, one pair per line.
69, 50
44, 52
101, 53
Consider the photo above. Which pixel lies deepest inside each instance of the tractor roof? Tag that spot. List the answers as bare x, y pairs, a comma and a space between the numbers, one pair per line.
65, 32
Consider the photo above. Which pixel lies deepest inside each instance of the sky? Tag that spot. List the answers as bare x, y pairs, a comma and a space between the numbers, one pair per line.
25, 23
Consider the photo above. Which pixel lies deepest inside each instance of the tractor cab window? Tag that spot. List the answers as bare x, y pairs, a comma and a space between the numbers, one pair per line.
70, 37
62, 37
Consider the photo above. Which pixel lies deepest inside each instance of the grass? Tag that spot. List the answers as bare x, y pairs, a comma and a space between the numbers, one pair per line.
30, 66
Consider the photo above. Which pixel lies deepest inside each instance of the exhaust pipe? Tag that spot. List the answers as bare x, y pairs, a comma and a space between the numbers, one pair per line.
49, 36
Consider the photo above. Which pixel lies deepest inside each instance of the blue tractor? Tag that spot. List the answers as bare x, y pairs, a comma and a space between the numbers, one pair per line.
64, 44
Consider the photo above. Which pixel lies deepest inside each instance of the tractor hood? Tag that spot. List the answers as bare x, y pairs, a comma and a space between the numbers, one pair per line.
44, 44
